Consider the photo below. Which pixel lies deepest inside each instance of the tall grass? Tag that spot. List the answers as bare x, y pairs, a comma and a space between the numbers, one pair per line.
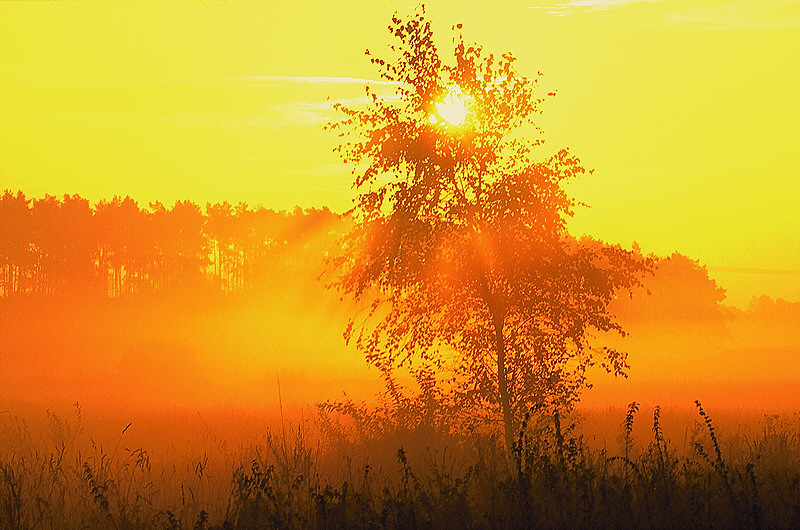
306, 477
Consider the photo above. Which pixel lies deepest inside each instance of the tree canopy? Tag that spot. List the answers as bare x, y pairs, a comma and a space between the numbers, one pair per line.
460, 241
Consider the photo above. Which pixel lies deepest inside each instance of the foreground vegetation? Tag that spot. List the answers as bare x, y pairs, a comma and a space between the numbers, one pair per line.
298, 479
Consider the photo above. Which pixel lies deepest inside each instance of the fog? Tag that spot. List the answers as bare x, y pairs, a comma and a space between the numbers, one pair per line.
189, 351
254, 331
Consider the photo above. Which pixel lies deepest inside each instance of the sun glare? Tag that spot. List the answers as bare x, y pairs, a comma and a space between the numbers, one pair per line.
453, 109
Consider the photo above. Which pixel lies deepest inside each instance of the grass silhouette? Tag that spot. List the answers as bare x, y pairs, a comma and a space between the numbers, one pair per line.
303, 479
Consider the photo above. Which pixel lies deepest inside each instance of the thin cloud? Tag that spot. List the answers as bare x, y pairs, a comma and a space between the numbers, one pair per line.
593, 5
322, 170
604, 4
739, 15
317, 112
273, 117
315, 79
743, 15
319, 106
325, 80
748, 270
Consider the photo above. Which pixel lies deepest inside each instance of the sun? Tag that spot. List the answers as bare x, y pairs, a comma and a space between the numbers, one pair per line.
453, 108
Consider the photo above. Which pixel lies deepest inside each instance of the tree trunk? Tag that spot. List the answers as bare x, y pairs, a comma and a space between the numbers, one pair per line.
498, 319
502, 382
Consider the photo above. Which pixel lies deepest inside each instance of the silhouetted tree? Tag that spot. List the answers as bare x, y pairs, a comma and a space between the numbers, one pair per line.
180, 253
679, 290
79, 244
16, 256
220, 226
266, 240
460, 239
47, 243
122, 245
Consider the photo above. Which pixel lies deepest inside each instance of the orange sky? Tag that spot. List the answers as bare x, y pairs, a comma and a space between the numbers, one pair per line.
687, 110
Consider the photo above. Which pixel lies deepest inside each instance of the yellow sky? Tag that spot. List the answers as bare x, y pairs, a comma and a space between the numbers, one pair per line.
687, 110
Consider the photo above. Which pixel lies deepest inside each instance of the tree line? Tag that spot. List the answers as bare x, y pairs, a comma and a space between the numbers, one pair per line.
117, 248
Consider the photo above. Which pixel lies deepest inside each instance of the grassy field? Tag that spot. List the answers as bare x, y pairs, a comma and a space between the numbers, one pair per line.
623, 468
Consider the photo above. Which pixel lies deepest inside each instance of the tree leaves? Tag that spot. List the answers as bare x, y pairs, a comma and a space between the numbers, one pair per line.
461, 231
